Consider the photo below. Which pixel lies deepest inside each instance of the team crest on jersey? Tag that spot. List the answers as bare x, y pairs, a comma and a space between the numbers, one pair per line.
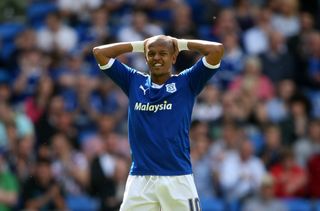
171, 88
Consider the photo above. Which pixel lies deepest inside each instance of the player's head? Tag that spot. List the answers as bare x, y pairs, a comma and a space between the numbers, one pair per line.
161, 54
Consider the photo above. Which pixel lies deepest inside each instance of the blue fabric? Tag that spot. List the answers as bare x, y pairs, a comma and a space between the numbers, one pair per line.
159, 119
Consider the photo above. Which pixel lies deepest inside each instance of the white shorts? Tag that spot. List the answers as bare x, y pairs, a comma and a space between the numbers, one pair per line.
165, 193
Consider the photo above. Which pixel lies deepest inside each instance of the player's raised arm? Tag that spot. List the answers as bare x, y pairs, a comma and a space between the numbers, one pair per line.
213, 51
104, 53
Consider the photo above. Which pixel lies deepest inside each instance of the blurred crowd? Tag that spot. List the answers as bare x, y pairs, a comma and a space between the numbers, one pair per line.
255, 134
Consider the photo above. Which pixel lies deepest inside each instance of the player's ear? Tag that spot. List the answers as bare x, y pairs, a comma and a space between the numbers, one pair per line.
174, 58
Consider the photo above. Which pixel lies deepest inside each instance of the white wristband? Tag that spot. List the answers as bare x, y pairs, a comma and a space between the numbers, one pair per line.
182, 45
137, 46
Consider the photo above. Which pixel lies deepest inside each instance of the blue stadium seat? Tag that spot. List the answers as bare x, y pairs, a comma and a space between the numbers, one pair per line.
8, 31
212, 204
37, 12
317, 206
298, 205
82, 203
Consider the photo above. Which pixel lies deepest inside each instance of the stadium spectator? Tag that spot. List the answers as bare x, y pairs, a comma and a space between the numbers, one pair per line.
208, 106
41, 191
13, 126
295, 125
56, 36
255, 39
32, 66
35, 106
241, 173
290, 178
278, 106
201, 161
9, 186
70, 167
233, 61
313, 176
265, 200
286, 20
309, 145
252, 82
277, 63
270, 153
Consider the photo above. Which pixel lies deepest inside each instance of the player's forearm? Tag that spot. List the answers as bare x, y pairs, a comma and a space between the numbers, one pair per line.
213, 51
105, 52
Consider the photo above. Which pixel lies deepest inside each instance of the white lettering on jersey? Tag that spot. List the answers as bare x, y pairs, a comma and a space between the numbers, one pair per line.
144, 90
153, 108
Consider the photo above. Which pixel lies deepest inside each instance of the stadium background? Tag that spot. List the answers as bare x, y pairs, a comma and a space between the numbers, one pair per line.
63, 137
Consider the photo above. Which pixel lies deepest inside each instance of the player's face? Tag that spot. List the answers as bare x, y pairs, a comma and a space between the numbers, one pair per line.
160, 56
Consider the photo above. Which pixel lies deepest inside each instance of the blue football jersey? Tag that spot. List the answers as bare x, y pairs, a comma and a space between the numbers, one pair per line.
159, 118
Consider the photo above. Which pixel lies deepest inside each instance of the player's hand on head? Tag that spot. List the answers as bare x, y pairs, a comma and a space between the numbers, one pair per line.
175, 44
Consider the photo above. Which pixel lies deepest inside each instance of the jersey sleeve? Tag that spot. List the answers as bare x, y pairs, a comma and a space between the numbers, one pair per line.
199, 74
119, 73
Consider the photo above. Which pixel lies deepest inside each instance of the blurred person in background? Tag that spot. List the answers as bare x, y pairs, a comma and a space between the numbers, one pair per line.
253, 82
203, 178
270, 153
41, 191
290, 179
278, 106
313, 172
139, 28
277, 62
295, 125
313, 62
36, 105
70, 167
24, 41
233, 62
55, 36
9, 185
208, 106
55, 119
14, 125
241, 173
226, 23
286, 20
245, 11
265, 199
22, 158
78, 12
102, 172
300, 49
32, 66
309, 145
183, 25
111, 100
255, 39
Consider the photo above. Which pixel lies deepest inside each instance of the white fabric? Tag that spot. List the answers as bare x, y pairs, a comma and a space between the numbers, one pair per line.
239, 177
150, 193
65, 38
182, 45
108, 164
137, 46
209, 65
255, 41
108, 65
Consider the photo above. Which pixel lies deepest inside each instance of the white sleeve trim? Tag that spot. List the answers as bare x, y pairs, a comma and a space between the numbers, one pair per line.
108, 65
210, 65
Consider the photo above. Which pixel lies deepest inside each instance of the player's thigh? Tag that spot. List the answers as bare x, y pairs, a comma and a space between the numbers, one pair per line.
140, 195
179, 194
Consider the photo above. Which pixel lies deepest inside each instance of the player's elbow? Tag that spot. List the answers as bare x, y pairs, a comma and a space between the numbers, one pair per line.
218, 50
96, 51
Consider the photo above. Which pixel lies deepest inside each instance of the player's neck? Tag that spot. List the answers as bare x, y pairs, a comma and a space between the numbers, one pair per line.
160, 79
